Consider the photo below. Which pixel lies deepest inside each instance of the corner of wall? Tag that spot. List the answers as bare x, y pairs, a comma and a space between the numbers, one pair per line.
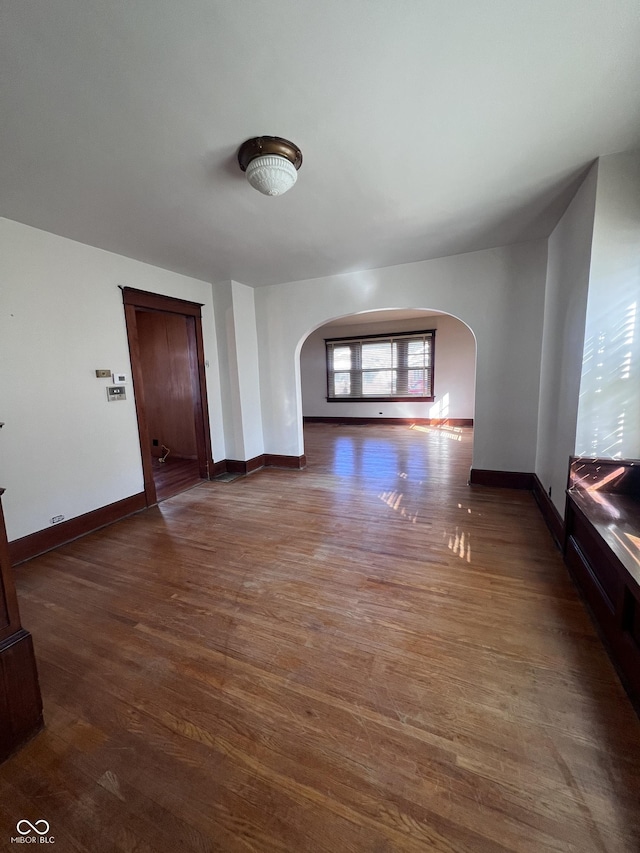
234, 306
565, 300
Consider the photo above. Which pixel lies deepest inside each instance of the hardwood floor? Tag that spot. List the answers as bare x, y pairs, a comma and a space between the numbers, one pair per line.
367, 655
174, 476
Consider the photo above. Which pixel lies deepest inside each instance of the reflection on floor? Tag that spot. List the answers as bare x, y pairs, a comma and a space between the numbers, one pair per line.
174, 476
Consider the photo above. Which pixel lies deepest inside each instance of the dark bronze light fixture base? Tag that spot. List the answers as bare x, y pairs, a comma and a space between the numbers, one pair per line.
261, 145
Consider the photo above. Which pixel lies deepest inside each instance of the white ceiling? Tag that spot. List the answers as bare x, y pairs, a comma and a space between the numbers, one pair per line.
428, 127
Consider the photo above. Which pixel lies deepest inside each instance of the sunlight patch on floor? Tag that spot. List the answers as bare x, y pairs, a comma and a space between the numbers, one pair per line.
459, 542
393, 499
454, 433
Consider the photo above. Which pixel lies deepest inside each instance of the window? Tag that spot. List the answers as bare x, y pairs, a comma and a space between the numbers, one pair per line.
394, 367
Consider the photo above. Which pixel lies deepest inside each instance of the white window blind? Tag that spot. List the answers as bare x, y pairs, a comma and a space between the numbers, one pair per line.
394, 367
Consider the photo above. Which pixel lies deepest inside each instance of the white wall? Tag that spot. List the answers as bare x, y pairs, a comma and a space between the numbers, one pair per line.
230, 408
64, 449
568, 264
238, 359
498, 293
609, 408
248, 372
454, 374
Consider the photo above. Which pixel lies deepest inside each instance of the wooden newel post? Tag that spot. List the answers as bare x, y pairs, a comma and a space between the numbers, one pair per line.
20, 702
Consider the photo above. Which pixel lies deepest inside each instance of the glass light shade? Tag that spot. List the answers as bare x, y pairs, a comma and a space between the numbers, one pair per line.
271, 174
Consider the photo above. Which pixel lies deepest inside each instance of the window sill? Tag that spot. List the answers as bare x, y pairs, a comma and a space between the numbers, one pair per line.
380, 399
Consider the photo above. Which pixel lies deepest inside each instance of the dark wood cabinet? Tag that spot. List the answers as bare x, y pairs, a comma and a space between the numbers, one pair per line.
602, 551
20, 702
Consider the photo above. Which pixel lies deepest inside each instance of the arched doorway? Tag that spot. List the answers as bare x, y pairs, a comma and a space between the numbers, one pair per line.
397, 450
452, 408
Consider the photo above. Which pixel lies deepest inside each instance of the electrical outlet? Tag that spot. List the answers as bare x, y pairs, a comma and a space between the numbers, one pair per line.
57, 519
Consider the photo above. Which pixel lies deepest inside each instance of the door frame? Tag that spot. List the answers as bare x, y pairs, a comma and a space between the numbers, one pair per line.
142, 300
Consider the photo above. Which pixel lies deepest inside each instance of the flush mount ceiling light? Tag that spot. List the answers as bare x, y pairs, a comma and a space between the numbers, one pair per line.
271, 163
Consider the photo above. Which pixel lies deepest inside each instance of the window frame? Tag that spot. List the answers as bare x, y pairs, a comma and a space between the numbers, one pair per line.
389, 337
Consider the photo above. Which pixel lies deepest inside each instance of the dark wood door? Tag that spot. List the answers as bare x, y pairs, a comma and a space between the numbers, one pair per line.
168, 370
169, 393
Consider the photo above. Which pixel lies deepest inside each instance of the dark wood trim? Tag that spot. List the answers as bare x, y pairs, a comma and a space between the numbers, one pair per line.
265, 460
455, 422
20, 700
236, 466
254, 464
433, 365
274, 460
589, 470
501, 479
201, 414
609, 589
157, 302
554, 520
51, 537
141, 409
383, 336
239, 466
219, 468
9, 613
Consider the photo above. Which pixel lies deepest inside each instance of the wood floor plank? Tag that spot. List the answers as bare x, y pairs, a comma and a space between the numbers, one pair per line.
366, 655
